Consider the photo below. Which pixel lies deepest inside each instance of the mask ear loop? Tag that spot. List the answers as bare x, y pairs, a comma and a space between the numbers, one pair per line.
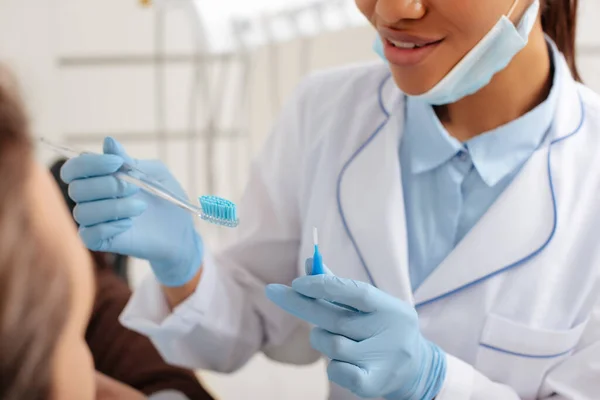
512, 9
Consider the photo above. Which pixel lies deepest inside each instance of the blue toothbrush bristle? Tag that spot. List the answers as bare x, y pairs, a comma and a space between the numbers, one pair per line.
219, 211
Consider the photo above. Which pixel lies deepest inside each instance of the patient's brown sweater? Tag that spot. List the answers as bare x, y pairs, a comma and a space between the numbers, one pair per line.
125, 355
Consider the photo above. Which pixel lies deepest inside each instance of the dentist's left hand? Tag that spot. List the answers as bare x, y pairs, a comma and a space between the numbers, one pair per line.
375, 346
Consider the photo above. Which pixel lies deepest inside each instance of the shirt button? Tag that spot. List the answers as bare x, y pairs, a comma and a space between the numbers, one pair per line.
462, 155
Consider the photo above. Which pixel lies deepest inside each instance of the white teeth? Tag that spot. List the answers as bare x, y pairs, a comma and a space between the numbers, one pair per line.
404, 45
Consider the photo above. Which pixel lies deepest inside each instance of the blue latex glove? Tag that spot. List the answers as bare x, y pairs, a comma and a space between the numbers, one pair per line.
118, 217
374, 342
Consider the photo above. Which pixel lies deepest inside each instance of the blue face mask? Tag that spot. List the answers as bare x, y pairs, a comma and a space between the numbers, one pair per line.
490, 56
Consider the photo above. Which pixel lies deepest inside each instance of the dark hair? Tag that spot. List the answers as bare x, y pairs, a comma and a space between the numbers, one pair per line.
559, 21
34, 293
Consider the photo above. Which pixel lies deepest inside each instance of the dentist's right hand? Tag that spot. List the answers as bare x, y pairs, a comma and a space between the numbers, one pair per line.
118, 217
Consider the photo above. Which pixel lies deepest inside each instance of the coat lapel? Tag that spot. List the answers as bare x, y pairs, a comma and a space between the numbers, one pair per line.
371, 203
519, 224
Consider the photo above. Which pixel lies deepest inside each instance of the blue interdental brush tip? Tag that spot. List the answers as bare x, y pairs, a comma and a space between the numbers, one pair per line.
317, 268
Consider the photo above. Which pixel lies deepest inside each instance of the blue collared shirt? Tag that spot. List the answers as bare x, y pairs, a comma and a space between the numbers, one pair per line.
449, 185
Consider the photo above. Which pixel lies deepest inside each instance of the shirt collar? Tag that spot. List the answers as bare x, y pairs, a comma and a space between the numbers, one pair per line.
426, 144
495, 154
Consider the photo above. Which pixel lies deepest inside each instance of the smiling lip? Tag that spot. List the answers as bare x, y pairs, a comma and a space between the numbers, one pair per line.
406, 56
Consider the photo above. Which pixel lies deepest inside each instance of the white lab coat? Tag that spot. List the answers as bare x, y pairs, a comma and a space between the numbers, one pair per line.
515, 305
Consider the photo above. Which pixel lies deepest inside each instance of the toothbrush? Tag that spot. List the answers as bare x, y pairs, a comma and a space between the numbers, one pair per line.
212, 209
317, 268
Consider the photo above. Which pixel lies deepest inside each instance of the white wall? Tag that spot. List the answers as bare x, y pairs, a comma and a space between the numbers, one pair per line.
28, 40
589, 42
43, 41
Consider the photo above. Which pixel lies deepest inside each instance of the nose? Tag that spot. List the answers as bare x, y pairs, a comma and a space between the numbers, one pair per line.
390, 12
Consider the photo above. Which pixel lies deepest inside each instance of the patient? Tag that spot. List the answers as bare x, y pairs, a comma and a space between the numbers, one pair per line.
46, 279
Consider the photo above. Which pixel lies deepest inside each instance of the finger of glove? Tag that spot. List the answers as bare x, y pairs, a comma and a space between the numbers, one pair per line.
90, 165
350, 376
308, 266
100, 188
308, 270
346, 292
335, 347
99, 237
112, 146
97, 212
320, 313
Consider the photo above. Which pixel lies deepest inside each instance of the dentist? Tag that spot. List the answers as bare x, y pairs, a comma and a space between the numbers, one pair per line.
456, 191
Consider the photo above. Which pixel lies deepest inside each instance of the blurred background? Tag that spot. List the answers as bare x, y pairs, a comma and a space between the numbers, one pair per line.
196, 83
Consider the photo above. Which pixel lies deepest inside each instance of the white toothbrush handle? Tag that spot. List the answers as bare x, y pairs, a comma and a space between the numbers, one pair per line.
158, 190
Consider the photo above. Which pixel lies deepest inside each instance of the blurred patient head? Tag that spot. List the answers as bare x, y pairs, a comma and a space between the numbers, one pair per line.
46, 281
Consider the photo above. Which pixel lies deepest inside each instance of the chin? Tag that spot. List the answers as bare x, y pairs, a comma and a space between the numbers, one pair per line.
413, 83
